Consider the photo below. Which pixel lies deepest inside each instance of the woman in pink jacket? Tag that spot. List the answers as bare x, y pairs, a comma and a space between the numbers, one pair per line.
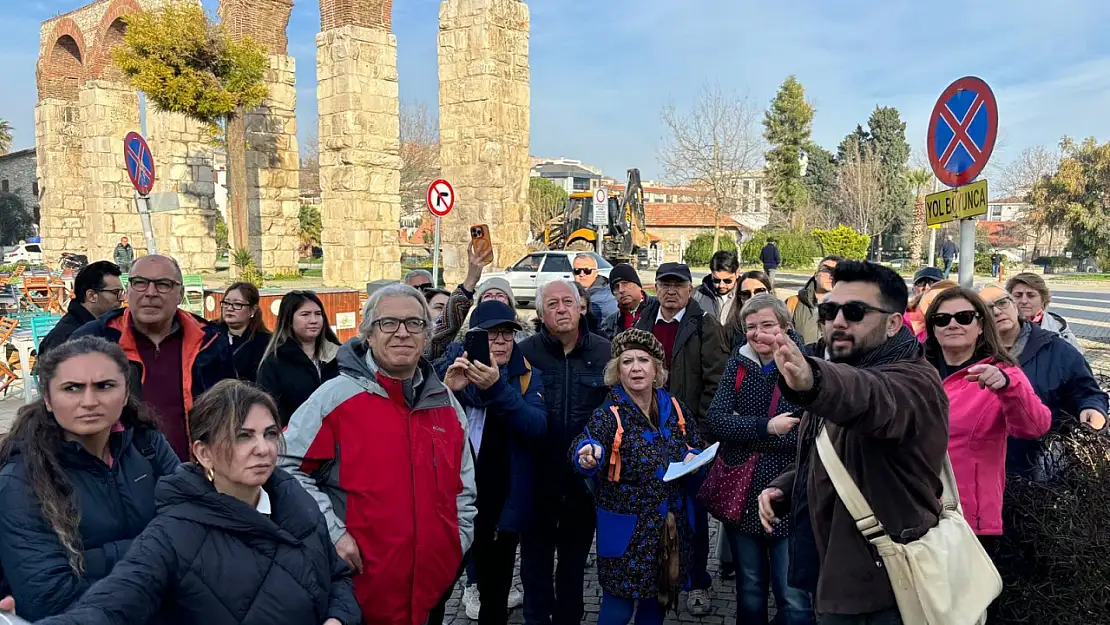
989, 399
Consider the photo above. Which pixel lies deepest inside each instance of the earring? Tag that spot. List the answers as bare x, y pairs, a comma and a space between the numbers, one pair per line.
210, 474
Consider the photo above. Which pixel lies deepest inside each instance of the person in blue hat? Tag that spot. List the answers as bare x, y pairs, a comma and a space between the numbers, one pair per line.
506, 413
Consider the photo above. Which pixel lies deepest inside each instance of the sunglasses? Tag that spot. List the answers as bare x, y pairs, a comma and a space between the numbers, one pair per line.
583, 271
854, 311
720, 280
964, 318
749, 294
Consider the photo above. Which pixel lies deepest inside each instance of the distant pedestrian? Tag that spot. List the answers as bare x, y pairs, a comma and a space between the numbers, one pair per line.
124, 255
996, 263
771, 259
948, 254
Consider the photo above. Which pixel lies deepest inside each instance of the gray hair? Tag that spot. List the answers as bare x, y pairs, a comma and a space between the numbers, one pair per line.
763, 301
541, 289
419, 272
587, 257
369, 311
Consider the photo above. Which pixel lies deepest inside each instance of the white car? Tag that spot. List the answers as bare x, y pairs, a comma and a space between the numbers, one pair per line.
538, 268
30, 253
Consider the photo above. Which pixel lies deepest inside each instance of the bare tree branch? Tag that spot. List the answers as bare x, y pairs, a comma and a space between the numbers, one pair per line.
1018, 176
713, 146
860, 193
419, 155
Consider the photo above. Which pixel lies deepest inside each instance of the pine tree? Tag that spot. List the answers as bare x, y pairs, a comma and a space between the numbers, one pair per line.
888, 144
787, 126
820, 179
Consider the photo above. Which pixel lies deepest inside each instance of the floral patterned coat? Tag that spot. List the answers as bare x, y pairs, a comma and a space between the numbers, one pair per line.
632, 498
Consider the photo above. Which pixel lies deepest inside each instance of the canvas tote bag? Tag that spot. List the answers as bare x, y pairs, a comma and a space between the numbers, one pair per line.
943, 578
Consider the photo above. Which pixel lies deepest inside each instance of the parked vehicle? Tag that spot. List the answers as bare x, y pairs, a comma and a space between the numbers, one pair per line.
25, 252
541, 267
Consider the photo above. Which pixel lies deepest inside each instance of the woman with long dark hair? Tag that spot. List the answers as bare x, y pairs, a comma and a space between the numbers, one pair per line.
236, 541
247, 332
989, 398
301, 354
77, 476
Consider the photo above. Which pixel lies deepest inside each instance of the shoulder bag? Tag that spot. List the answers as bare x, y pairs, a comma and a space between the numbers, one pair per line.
943, 578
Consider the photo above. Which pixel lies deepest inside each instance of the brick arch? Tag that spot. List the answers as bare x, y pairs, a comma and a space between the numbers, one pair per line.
377, 14
61, 69
109, 34
264, 21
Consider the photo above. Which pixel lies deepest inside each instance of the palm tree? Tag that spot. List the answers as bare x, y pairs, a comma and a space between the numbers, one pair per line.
919, 179
5, 136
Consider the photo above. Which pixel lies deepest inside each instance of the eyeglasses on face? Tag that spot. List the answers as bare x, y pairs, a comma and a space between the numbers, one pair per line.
116, 292
226, 305
502, 334
390, 325
162, 286
722, 280
1002, 303
583, 271
964, 318
746, 294
854, 311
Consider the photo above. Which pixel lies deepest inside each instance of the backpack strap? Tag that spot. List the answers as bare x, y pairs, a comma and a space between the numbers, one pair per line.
141, 441
681, 417
615, 450
792, 303
526, 379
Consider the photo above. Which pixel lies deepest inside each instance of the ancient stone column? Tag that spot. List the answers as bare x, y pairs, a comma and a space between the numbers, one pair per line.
273, 161
484, 125
360, 163
109, 110
183, 161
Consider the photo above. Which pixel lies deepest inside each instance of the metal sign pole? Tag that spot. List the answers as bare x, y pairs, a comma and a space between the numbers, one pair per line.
142, 205
435, 258
933, 247
967, 253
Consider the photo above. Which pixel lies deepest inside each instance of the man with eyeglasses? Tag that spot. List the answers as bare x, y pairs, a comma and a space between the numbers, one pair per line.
602, 302
96, 290
507, 416
384, 451
1059, 374
886, 415
717, 291
175, 356
696, 352
572, 362
803, 306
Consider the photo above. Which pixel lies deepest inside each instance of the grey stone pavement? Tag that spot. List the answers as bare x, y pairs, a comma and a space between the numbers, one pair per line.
1085, 306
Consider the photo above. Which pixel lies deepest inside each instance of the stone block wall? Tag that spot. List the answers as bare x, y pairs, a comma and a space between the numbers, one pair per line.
273, 172
58, 141
184, 162
109, 110
484, 121
360, 164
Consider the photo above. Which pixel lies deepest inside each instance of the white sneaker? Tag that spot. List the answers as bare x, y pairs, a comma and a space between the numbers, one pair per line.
698, 602
472, 602
516, 598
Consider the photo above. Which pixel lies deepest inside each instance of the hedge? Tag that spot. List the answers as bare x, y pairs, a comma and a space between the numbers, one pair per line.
844, 241
798, 250
700, 251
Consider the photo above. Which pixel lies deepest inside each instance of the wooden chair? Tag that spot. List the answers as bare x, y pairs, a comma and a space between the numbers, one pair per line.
7, 376
43, 293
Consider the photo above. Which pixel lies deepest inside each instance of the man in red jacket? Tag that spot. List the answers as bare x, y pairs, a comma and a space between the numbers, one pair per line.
384, 450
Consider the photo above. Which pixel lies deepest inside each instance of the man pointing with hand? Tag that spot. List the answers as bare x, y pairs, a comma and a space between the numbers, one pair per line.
886, 414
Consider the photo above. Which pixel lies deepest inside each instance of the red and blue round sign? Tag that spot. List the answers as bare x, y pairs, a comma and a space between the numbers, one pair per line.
139, 161
962, 131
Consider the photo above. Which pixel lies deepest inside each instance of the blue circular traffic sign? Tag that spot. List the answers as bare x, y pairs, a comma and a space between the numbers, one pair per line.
962, 130
139, 161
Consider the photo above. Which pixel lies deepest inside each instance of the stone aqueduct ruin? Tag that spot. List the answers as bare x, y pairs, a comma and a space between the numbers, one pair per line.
85, 109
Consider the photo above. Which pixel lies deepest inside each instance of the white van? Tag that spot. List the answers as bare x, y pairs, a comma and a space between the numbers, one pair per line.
25, 252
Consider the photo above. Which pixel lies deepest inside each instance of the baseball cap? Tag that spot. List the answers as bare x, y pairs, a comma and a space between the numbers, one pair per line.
492, 314
932, 274
674, 270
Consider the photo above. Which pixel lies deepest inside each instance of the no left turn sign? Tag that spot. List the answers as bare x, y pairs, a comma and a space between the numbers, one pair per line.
441, 198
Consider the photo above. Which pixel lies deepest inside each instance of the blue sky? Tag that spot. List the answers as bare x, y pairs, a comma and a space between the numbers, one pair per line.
603, 70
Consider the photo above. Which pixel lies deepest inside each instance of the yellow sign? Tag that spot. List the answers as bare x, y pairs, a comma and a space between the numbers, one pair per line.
960, 203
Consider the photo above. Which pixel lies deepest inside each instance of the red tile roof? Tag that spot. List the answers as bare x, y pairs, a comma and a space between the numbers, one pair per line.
663, 215
1001, 233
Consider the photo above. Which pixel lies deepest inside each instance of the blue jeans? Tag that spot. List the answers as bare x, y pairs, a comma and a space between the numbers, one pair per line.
763, 561
616, 611
947, 267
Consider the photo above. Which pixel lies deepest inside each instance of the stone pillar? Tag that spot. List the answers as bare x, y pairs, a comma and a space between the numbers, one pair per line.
484, 126
183, 161
109, 110
58, 142
273, 171
360, 163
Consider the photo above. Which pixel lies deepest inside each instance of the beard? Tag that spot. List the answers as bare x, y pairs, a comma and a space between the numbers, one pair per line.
858, 346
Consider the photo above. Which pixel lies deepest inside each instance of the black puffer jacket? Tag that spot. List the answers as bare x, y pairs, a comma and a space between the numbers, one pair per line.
115, 503
210, 558
290, 377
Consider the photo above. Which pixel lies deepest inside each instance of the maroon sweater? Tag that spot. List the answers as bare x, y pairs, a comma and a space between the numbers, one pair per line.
162, 388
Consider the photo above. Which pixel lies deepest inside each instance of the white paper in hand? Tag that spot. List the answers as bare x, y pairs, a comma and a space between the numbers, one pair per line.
679, 469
